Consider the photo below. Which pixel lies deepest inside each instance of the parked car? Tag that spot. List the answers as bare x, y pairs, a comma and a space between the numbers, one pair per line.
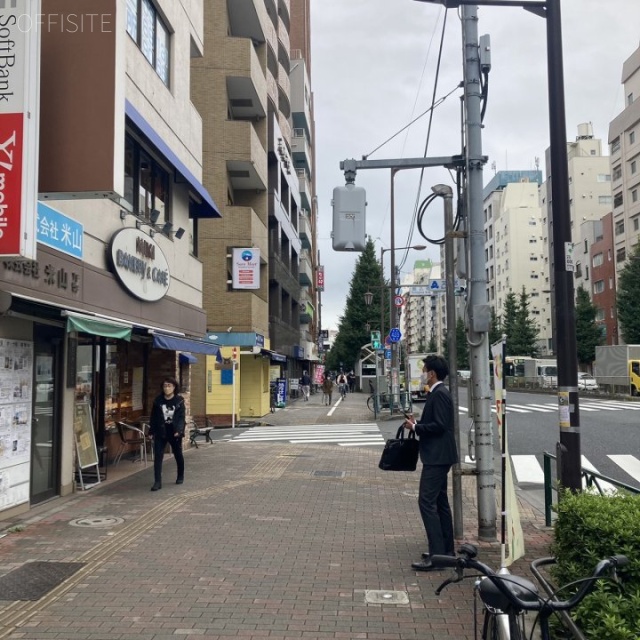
464, 374
587, 381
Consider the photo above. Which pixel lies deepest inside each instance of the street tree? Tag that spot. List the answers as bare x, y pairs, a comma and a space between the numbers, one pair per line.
433, 345
588, 333
509, 313
495, 329
628, 298
525, 337
352, 333
462, 345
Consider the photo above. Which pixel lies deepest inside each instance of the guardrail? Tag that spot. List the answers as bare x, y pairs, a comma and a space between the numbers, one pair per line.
592, 479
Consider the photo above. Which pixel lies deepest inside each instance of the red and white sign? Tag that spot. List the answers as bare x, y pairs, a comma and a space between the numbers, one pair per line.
234, 353
246, 268
398, 301
19, 124
320, 279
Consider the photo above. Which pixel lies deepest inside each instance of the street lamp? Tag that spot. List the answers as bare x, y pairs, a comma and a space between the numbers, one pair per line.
392, 315
368, 299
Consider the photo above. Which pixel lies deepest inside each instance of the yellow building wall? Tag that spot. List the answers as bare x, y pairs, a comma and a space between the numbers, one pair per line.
251, 388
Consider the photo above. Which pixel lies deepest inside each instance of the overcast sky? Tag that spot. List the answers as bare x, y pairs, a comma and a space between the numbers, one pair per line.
373, 71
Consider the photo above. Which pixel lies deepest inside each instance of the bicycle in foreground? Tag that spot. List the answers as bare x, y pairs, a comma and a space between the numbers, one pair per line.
506, 597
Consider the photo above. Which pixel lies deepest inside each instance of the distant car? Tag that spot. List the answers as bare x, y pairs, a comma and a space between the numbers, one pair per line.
464, 374
587, 381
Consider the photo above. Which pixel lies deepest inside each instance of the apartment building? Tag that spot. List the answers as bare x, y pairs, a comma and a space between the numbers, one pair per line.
420, 319
514, 252
589, 195
624, 145
112, 302
258, 163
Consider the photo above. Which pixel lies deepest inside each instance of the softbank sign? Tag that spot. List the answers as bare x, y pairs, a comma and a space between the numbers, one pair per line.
19, 118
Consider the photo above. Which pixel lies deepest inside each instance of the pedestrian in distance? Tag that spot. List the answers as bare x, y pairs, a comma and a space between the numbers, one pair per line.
351, 377
438, 453
327, 389
166, 426
343, 384
305, 385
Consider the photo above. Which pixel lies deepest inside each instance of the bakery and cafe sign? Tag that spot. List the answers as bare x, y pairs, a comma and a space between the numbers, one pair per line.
139, 264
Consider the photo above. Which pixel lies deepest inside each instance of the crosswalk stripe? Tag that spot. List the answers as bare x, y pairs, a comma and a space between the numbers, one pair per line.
513, 407
628, 463
605, 486
532, 407
302, 438
364, 443
600, 407
528, 469
632, 406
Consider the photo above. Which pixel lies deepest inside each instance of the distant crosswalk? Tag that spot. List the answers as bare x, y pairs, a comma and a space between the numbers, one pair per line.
587, 406
528, 469
344, 435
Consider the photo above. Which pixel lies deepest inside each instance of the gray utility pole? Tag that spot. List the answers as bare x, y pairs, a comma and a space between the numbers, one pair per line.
446, 193
479, 310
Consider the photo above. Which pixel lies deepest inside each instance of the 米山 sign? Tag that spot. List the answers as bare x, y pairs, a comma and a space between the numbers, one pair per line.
19, 123
139, 264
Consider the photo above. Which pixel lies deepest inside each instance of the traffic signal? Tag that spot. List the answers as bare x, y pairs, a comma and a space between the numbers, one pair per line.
376, 342
349, 210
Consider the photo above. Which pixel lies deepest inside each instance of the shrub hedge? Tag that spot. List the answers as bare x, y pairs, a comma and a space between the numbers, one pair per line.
591, 527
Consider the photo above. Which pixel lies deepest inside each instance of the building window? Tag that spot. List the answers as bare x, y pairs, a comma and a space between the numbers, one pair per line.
578, 270
617, 172
636, 224
633, 166
634, 195
604, 199
586, 273
617, 200
632, 137
597, 260
599, 315
615, 145
604, 177
150, 33
619, 227
146, 181
630, 99
621, 255
598, 287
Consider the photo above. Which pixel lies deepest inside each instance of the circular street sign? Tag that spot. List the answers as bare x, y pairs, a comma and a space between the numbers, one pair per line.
398, 301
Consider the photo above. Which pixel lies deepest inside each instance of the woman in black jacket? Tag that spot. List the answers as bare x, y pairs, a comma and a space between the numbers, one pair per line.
166, 425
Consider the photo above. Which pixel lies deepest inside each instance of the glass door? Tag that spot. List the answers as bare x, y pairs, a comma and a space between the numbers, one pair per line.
45, 436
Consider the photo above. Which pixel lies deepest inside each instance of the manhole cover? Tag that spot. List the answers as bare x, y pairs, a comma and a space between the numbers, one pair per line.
101, 522
329, 474
386, 597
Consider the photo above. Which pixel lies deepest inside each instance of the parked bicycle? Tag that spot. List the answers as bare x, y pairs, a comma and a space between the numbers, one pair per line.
506, 597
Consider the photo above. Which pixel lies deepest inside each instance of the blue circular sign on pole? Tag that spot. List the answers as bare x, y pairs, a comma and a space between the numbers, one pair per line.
395, 335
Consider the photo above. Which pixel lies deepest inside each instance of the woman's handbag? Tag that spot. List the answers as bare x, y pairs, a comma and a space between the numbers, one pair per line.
400, 453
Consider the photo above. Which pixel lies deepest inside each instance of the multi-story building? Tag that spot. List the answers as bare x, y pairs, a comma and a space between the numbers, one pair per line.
601, 280
589, 194
420, 321
112, 302
513, 245
624, 145
251, 155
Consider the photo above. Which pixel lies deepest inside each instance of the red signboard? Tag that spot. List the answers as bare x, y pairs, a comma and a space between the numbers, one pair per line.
320, 279
11, 149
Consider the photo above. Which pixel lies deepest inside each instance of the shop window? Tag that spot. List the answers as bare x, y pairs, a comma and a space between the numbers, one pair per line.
147, 182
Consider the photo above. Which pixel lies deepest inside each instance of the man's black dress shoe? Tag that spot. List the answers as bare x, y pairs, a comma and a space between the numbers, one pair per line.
424, 566
426, 555
180, 480
156, 486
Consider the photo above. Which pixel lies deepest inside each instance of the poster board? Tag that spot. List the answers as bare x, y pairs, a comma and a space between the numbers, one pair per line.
84, 436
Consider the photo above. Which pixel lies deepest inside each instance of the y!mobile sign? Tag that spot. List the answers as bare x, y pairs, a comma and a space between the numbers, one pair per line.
19, 120
246, 268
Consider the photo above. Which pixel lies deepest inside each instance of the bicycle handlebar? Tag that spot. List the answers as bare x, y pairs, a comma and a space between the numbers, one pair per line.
466, 560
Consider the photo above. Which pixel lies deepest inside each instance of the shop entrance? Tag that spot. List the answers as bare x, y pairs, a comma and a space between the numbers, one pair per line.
46, 427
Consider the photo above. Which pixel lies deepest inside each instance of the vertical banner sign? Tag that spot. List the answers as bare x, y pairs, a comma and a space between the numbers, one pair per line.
246, 268
512, 538
19, 125
320, 279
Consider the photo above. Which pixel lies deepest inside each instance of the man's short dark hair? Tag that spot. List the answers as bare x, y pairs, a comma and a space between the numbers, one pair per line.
438, 365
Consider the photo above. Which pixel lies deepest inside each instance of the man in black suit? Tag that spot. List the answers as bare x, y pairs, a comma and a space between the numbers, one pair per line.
438, 453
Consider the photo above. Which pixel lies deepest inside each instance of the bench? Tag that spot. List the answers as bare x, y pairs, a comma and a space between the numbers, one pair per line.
200, 426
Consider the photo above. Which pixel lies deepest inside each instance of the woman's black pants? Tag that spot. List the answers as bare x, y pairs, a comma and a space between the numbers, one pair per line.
159, 445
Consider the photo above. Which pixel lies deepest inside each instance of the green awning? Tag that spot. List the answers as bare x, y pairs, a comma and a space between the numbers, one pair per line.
97, 326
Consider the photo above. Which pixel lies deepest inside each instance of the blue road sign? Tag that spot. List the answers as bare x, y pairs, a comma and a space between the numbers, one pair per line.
395, 335
434, 285
387, 354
